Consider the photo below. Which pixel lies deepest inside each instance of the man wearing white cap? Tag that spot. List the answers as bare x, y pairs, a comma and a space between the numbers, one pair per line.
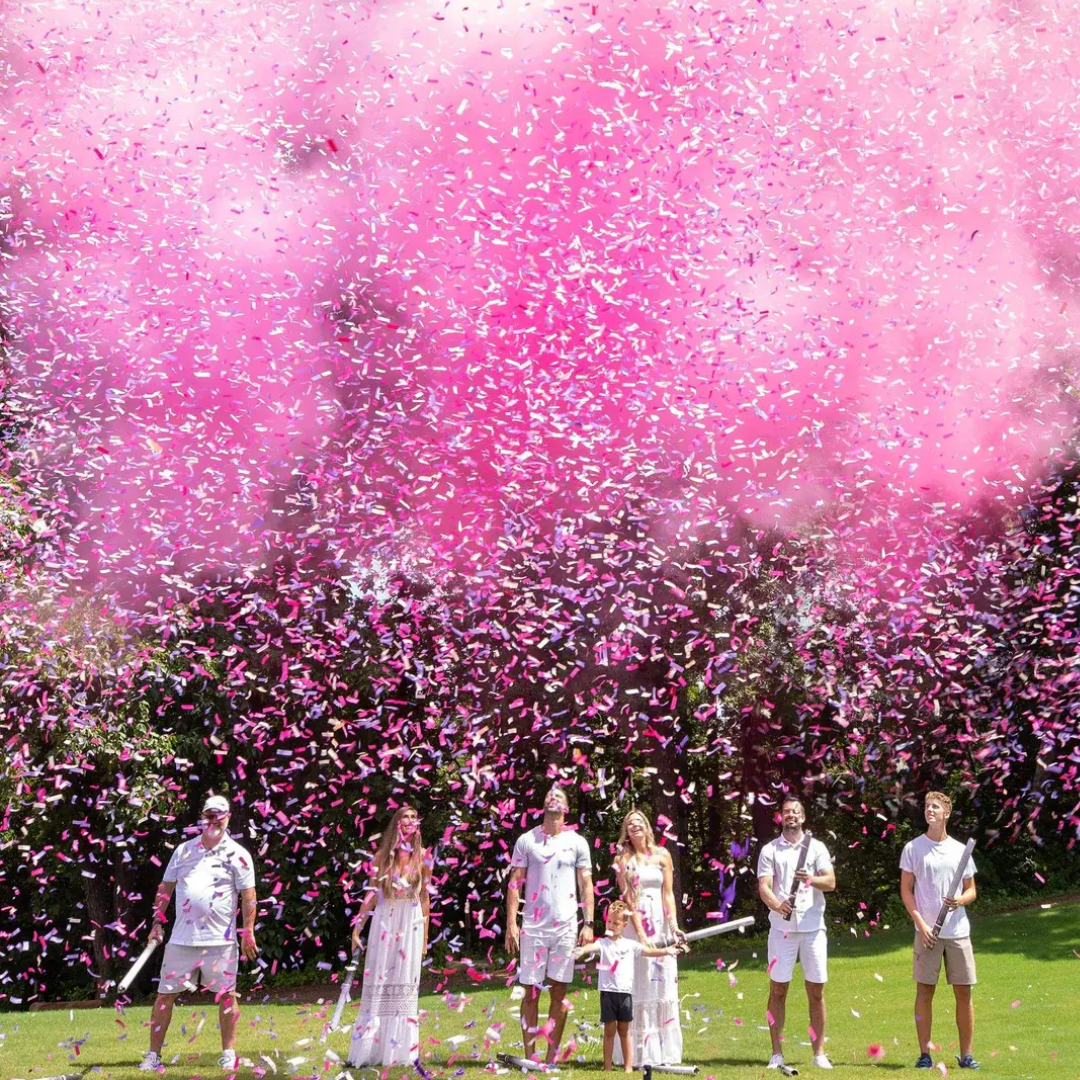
208, 873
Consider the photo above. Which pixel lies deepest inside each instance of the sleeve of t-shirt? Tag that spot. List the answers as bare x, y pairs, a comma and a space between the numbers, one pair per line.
969, 870
520, 859
584, 856
243, 871
172, 871
765, 866
907, 859
635, 946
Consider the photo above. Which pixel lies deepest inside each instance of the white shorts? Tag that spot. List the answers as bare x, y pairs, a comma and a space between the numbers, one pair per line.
547, 956
810, 949
181, 965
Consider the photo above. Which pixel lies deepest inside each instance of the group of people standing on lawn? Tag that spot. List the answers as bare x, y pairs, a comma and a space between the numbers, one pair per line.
550, 882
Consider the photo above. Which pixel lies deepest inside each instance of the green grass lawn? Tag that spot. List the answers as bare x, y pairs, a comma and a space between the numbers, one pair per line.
1026, 1003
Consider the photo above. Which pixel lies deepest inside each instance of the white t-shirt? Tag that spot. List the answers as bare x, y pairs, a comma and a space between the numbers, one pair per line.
617, 956
779, 858
549, 896
934, 865
208, 885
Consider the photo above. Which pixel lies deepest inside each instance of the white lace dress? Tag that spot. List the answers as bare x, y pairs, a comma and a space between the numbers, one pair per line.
656, 1034
387, 1028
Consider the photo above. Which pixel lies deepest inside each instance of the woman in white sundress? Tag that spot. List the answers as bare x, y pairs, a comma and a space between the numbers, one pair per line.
645, 880
387, 1028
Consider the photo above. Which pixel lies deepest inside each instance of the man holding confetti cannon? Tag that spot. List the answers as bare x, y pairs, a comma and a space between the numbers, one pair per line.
794, 873
937, 881
208, 873
552, 867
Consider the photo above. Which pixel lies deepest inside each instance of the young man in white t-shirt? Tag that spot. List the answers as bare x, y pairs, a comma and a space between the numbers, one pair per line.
927, 868
616, 980
208, 873
797, 931
551, 866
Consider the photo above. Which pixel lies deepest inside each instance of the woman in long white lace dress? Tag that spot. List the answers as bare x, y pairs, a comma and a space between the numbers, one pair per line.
645, 880
387, 1028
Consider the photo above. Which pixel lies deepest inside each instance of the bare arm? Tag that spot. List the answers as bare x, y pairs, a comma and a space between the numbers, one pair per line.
965, 898
161, 906
588, 900
907, 894
667, 892
248, 907
769, 898
513, 902
370, 897
425, 900
825, 881
586, 950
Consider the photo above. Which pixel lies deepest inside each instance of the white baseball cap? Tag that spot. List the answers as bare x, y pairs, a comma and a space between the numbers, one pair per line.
218, 804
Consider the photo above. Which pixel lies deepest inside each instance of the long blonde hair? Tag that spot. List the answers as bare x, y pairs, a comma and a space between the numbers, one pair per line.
629, 854
383, 865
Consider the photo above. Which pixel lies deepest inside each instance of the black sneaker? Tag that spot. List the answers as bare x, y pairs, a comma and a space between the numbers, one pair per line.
967, 1062
925, 1062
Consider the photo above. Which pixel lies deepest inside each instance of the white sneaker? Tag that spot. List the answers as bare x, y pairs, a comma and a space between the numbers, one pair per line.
227, 1061
150, 1063
822, 1061
776, 1062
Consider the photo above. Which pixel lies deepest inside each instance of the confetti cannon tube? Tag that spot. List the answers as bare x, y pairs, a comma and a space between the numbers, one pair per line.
804, 848
140, 963
954, 888
343, 994
711, 931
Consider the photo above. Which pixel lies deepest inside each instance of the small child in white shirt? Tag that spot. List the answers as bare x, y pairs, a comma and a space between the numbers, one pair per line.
616, 981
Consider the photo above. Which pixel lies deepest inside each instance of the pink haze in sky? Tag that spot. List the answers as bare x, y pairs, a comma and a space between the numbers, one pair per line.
420, 269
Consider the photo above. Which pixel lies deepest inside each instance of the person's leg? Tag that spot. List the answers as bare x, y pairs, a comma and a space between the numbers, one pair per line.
624, 1041
777, 1013
557, 1015
924, 1014
965, 1017
530, 1012
228, 1015
160, 1018
815, 993
609, 1043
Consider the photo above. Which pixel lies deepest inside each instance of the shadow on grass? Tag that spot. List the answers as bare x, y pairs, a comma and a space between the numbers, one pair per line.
1032, 933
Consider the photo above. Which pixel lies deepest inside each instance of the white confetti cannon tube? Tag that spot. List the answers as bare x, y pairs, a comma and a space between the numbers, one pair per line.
954, 888
678, 1070
343, 995
711, 931
140, 963
526, 1063
804, 847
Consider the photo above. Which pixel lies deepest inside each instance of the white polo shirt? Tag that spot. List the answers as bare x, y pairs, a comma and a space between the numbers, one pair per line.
549, 896
779, 859
934, 865
208, 886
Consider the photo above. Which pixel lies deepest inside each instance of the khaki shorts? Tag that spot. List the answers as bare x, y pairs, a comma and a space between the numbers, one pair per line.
959, 961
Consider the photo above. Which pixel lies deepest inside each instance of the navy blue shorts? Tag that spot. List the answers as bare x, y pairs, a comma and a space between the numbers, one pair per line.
616, 1007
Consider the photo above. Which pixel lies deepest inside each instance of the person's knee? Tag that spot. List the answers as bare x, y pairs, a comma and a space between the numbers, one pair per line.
815, 991
623, 1027
778, 991
962, 993
164, 1001
925, 991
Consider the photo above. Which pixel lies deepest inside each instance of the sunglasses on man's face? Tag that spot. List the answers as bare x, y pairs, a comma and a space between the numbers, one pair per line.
214, 815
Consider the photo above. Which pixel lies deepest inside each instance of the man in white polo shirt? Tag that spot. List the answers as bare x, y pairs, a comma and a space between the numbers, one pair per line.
550, 866
801, 937
927, 867
208, 874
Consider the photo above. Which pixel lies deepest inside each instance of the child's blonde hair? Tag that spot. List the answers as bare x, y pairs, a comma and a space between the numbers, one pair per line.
617, 910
